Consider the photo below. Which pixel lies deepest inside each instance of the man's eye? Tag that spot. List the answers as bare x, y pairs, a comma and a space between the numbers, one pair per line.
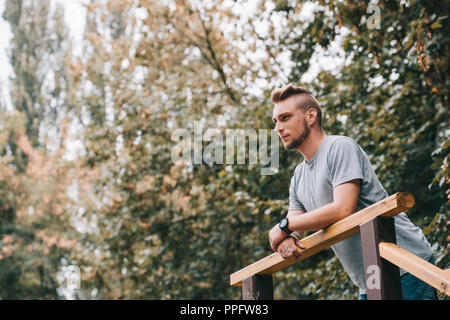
285, 117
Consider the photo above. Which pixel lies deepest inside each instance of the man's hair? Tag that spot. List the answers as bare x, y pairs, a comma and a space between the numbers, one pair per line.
284, 93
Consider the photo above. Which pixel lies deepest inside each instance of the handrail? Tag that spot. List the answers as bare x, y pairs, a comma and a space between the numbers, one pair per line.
326, 237
422, 269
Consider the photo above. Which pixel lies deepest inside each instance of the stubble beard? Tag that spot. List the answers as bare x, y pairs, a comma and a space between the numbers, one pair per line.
296, 143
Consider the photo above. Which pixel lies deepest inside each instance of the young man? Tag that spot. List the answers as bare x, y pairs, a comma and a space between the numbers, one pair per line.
335, 180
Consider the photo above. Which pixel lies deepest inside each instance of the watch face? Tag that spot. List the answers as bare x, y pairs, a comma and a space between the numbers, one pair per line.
283, 223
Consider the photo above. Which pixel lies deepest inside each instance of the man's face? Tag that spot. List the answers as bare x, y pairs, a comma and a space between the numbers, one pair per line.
290, 123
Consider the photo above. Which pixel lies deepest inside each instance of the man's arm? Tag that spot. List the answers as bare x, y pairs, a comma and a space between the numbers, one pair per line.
291, 214
345, 198
289, 246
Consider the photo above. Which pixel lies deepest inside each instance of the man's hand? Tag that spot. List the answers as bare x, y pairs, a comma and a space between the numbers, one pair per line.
290, 248
276, 235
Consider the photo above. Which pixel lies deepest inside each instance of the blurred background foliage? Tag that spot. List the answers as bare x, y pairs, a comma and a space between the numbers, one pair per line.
86, 176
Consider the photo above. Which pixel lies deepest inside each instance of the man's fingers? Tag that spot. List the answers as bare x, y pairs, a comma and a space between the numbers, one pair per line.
284, 254
300, 245
276, 246
272, 245
295, 253
281, 249
288, 250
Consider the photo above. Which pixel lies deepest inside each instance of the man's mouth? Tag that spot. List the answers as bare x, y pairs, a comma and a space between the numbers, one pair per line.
285, 136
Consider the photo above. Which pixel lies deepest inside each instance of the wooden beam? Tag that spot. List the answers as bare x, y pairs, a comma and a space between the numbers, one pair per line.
258, 287
324, 238
382, 277
425, 271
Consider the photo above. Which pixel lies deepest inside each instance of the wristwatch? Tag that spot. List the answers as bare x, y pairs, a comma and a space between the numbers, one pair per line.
284, 226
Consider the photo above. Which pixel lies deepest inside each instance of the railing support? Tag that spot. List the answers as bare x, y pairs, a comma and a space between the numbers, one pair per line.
382, 277
258, 287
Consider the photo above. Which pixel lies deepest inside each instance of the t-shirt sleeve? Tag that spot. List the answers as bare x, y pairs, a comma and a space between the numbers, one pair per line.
294, 202
345, 162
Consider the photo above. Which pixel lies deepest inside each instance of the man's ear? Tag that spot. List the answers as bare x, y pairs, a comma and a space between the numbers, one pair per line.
311, 116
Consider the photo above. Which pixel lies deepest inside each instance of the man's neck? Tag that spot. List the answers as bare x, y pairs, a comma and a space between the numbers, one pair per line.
310, 146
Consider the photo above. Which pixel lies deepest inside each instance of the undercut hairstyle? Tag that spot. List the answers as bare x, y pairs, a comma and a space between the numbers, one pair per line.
284, 93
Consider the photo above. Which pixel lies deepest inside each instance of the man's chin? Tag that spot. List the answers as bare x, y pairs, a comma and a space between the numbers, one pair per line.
289, 146
293, 144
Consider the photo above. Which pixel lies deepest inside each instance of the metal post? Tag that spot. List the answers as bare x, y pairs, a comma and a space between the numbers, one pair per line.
258, 287
382, 277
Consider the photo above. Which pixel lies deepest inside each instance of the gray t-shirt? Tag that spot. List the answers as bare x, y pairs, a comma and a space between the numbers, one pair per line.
340, 159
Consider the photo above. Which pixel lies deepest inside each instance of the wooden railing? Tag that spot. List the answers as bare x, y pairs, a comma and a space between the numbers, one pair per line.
380, 253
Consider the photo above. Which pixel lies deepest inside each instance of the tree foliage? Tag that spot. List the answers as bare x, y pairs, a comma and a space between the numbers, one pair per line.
36, 233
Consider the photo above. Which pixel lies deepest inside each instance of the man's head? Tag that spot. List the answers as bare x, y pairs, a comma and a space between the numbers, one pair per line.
295, 114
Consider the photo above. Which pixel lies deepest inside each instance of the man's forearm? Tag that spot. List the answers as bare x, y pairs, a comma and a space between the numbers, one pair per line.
317, 219
296, 234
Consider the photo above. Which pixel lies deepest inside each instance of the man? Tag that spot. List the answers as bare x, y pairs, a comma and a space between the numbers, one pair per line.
335, 180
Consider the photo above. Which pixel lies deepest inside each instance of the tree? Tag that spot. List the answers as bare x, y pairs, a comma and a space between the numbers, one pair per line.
35, 230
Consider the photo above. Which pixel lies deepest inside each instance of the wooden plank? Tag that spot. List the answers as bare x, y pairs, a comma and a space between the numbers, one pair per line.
324, 238
425, 271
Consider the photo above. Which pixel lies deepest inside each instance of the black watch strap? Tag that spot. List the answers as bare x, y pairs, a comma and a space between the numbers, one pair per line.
284, 226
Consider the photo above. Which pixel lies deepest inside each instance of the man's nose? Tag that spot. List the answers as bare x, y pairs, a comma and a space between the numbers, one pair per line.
279, 128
